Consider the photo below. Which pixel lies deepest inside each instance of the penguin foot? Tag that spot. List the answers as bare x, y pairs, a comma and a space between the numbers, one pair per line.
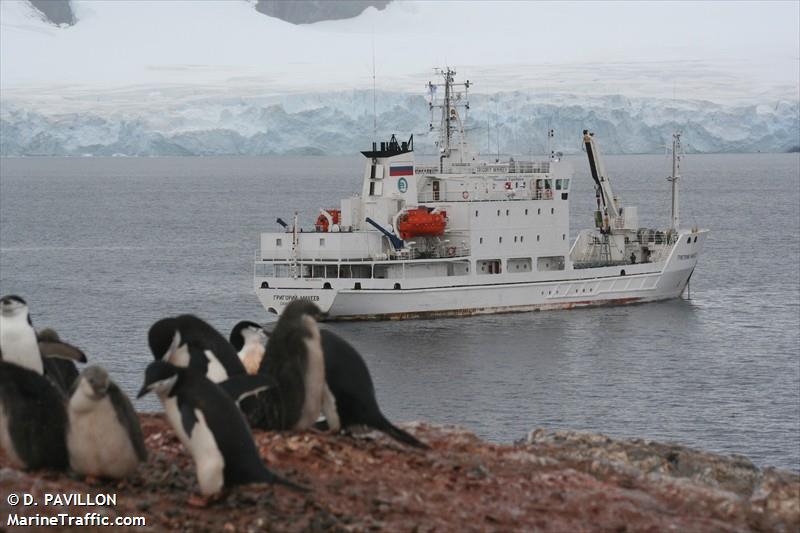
201, 501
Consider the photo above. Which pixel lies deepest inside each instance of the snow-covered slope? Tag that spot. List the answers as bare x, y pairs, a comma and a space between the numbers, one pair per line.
217, 77
342, 123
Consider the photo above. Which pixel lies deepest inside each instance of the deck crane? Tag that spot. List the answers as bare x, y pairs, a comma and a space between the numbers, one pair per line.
609, 207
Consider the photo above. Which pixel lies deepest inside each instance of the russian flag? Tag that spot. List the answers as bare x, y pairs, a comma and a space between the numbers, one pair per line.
401, 170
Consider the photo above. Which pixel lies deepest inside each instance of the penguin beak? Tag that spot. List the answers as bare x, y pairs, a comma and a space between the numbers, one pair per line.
143, 391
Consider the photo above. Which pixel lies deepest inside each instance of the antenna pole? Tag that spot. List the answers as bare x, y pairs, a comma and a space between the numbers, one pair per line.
374, 95
676, 170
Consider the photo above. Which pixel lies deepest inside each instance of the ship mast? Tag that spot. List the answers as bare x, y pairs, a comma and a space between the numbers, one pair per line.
676, 174
450, 120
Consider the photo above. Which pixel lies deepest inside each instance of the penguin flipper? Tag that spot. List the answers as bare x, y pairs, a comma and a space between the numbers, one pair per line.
129, 420
245, 385
61, 350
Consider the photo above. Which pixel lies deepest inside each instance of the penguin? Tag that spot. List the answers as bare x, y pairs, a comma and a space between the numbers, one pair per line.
186, 340
18, 342
250, 340
297, 364
44, 353
104, 439
346, 374
33, 419
211, 427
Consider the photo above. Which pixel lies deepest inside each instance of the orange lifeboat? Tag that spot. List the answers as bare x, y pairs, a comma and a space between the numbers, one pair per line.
419, 222
322, 223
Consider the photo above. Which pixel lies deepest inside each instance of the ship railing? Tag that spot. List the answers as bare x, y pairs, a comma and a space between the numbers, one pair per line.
513, 167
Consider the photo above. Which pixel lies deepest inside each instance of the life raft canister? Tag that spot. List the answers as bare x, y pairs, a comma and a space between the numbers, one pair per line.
419, 222
322, 223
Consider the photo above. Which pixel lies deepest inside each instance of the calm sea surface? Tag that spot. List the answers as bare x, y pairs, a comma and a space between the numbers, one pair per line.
101, 248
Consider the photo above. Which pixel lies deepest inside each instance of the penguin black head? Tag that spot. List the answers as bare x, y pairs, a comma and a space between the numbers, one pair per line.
164, 338
12, 304
159, 377
245, 330
298, 308
97, 382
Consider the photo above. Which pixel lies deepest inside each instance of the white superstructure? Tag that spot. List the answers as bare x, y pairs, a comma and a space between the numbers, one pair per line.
466, 237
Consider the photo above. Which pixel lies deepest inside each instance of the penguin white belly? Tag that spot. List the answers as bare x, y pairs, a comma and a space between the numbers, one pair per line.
207, 457
314, 380
251, 356
5, 441
216, 372
98, 444
19, 345
202, 446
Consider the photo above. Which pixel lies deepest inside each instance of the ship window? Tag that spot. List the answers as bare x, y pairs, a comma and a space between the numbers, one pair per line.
498, 212
695, 238
481, 241
563, 236
689, 240
552, 211
372, 188
515, 238
357, 286
501, 240
476, 213
558, 185
521, 238
278, 242
548, 184
506, 212
526, 211
566, 184
539, 211
264, 285
397, 286
537, 238
322, 243
326, 285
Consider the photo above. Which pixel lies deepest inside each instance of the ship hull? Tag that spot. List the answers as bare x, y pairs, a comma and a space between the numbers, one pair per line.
568, 289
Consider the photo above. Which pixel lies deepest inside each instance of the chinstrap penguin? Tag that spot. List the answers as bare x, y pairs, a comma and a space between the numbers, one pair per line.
104, 437
346, 374
188, 341
297, 364
44, 353
211, 427
33, 419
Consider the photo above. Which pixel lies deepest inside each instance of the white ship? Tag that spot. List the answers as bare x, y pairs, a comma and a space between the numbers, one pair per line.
466, 237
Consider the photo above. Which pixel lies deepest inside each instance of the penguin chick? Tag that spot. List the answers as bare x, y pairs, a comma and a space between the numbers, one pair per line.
33, 419
188, 341
104, 437
296, 363
211, 427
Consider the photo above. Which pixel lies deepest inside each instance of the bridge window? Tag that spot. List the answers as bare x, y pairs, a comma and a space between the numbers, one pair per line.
558, 185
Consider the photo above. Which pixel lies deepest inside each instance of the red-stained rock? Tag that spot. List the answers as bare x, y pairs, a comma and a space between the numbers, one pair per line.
554, 481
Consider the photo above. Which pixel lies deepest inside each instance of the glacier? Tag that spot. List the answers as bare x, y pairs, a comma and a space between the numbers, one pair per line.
342, 123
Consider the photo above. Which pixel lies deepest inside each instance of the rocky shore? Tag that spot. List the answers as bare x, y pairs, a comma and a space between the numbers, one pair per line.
551, 481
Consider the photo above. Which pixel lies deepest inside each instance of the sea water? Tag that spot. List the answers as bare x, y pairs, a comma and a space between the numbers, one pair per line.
103, 247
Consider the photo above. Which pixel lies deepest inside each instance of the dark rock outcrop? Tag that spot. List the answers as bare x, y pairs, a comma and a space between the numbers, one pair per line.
310, 11
55, 11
